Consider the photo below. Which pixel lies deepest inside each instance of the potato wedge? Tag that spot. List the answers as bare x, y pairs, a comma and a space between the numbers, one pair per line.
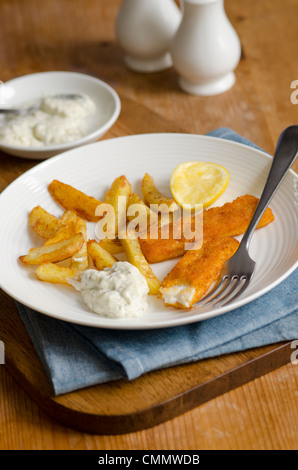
153, 196
50, 272
79, 260
68, 217
70, 198
120, 187
135, 199
101, 258
117, 196
114, 247
135, 256
63, 233
139, 215
54, 253
146, 218
42, 223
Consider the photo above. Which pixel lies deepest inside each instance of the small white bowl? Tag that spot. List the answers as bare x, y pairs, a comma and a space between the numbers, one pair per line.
32, 87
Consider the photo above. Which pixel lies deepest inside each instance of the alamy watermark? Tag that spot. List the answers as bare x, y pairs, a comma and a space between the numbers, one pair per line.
294, 355
156, 221
2, 353
294, 94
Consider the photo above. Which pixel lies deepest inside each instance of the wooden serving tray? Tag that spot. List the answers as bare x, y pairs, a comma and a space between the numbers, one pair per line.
121, 407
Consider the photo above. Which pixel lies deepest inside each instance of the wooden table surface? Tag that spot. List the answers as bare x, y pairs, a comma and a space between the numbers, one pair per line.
79, 36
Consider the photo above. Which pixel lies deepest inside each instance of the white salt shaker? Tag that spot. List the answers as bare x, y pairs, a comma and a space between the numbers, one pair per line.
144, 29
206, 49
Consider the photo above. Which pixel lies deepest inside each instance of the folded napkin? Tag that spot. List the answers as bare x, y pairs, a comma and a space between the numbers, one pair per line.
76, 356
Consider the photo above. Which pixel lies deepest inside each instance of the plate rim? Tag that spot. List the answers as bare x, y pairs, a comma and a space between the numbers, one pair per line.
161, 325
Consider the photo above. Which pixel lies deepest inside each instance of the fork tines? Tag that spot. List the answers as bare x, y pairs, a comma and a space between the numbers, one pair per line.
227, 290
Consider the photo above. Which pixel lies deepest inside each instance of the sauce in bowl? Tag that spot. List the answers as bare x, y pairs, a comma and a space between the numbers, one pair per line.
54, 121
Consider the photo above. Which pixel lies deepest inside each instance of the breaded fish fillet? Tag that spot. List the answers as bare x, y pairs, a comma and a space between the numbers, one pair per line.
229, 220
193, 275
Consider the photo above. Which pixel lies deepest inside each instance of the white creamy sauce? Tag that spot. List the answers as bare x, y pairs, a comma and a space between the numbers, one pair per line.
181, 294
117, 292
55, 121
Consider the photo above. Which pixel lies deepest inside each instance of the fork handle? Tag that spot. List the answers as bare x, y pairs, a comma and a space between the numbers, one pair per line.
284, 156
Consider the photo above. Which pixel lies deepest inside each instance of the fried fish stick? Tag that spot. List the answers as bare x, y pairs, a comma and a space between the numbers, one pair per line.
229, 220
233, 218
193, 275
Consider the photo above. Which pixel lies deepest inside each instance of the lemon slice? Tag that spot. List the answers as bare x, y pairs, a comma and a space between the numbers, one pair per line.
198, 183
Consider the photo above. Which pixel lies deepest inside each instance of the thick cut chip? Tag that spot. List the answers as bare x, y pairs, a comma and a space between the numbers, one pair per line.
153, 196
68, 217
135, 256
101, 258
117, 196
195, 272
136, 202
63, 233
71, 198
42, 223
141, 217
229, 220
113, 246
50, 272
54, 253
79, 260
120, 187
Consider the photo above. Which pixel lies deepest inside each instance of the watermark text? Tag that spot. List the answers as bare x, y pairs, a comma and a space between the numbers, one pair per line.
2, 353
294, 94
156, 221
294, 355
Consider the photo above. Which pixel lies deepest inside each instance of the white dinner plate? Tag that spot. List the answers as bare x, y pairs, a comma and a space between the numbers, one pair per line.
92, 169
30, 88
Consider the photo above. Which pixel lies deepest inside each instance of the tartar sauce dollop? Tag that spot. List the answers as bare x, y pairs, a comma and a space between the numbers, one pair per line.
117, 292
56, 120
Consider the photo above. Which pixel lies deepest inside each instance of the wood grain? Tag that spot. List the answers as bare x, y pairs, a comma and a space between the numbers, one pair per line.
120, 407
56, 35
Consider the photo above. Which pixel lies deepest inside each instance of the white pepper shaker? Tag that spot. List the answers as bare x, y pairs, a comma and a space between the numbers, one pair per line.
145, 29
206, 48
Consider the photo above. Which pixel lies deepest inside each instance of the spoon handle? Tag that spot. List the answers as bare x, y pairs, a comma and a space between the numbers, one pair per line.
12, 111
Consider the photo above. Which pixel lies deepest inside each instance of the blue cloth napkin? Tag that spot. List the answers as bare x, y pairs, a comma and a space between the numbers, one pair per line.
75, 356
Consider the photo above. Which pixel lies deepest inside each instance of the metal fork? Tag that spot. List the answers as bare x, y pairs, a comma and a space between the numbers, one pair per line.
238, 271
23, 112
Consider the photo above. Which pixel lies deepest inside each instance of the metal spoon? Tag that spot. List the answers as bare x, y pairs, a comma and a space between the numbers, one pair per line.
23, 112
